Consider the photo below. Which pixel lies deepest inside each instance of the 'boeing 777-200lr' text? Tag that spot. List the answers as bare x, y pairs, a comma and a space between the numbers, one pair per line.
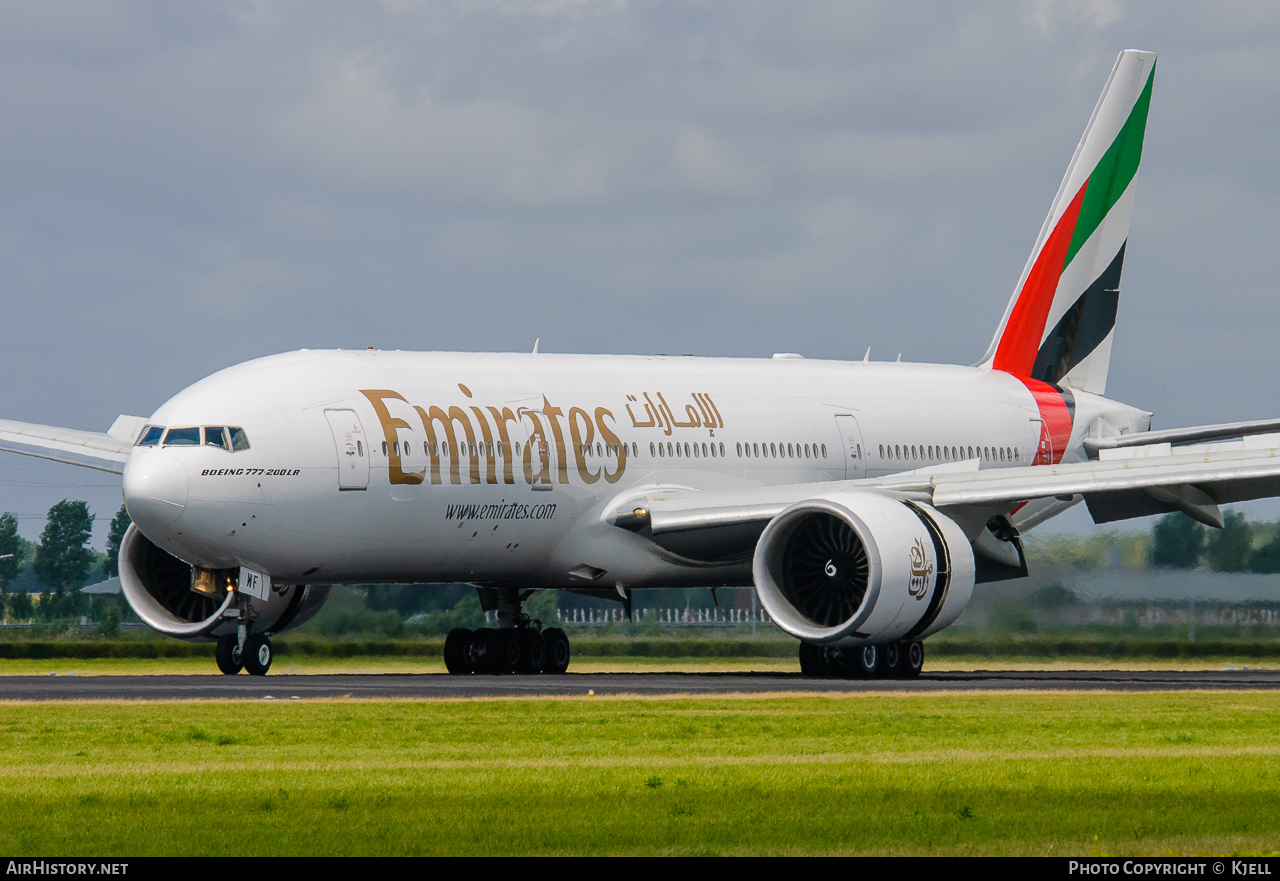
862, 500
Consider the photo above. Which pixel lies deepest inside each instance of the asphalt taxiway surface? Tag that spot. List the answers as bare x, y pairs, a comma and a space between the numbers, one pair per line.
284, 687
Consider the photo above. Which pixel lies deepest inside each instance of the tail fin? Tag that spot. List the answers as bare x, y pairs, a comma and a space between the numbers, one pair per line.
1059, 325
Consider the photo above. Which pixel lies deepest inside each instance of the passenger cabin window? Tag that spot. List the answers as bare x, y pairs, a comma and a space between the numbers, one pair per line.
150, 436
239, 440
182, 437
216, 436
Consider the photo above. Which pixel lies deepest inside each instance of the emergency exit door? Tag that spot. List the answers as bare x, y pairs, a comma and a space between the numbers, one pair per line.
352, 447
851, 441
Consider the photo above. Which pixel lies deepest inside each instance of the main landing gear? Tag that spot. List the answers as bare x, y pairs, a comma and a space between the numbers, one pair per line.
898, 660
517, 645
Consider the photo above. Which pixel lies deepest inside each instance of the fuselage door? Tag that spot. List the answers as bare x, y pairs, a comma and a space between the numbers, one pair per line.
851, 440
352, 447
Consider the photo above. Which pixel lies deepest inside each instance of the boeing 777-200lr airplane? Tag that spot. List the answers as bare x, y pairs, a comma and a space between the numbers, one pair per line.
863, 500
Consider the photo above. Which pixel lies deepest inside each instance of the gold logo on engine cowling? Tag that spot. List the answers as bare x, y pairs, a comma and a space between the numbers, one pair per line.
921, 571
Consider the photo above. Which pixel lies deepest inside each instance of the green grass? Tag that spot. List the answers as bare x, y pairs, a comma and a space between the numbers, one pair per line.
1012, 773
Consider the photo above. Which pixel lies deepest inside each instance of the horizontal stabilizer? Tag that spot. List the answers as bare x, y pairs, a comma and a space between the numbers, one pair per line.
1199, 434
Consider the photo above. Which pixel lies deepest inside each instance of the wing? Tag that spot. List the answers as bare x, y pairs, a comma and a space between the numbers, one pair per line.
1123, 482
88, 449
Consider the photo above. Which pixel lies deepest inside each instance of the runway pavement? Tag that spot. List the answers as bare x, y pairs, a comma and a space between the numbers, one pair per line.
44, 688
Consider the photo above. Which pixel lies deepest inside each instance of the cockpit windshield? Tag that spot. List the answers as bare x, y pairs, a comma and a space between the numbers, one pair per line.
182, 437
225, 438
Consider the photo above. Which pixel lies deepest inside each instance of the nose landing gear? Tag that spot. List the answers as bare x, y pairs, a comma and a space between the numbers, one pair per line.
242, 650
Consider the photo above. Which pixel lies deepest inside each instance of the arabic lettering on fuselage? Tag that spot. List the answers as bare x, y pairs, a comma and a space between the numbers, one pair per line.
702, 413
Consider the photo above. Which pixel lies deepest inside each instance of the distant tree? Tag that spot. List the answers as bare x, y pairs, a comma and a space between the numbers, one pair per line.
11, 548
115, 535
105, 611
19, 606
1228, 549
1011, 616
62, 558
542, 606
1266, 558
1176, 542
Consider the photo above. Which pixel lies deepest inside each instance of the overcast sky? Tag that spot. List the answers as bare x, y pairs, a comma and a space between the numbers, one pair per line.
185, 186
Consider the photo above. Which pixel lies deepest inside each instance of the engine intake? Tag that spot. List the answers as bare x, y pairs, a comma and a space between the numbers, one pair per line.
167, 595
859, 568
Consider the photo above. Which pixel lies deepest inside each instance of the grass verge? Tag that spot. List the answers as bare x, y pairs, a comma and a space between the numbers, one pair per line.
1000, 774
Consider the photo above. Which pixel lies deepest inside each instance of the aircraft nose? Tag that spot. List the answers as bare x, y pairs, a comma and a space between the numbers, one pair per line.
155, 489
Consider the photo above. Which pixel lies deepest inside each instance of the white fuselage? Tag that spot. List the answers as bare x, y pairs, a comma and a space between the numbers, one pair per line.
368, 466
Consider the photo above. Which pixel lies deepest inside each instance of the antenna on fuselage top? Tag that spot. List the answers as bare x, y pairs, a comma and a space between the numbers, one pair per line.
866, 359
535, 345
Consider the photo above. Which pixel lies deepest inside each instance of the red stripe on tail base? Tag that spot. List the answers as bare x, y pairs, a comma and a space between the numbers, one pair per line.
1057, 411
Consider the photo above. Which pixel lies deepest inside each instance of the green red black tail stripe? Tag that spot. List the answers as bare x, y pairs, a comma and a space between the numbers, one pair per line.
1082, 328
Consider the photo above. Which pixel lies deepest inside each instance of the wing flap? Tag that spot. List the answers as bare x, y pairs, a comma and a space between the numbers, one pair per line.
87, 449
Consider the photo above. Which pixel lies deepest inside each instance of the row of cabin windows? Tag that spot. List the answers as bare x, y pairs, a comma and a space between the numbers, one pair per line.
931, 453
781, 451
231, 439
668, 449
687, 451
491, 448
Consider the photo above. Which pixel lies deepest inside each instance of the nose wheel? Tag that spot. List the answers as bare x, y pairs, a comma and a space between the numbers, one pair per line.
228, 655
255, 655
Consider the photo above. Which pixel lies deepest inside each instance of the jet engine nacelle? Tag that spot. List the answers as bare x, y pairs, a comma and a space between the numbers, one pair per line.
161, 590
860, 568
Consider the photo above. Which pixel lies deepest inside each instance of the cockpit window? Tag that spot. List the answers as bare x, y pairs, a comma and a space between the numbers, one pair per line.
182, 437
239, 440
216, 437
150, 436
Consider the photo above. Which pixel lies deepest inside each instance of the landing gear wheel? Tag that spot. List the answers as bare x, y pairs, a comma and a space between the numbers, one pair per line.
812, 661
533, 651
890, 665
455, 651
862, 661
505, 650
257, 655
557, 650
912, 660
227, 654
478, 651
